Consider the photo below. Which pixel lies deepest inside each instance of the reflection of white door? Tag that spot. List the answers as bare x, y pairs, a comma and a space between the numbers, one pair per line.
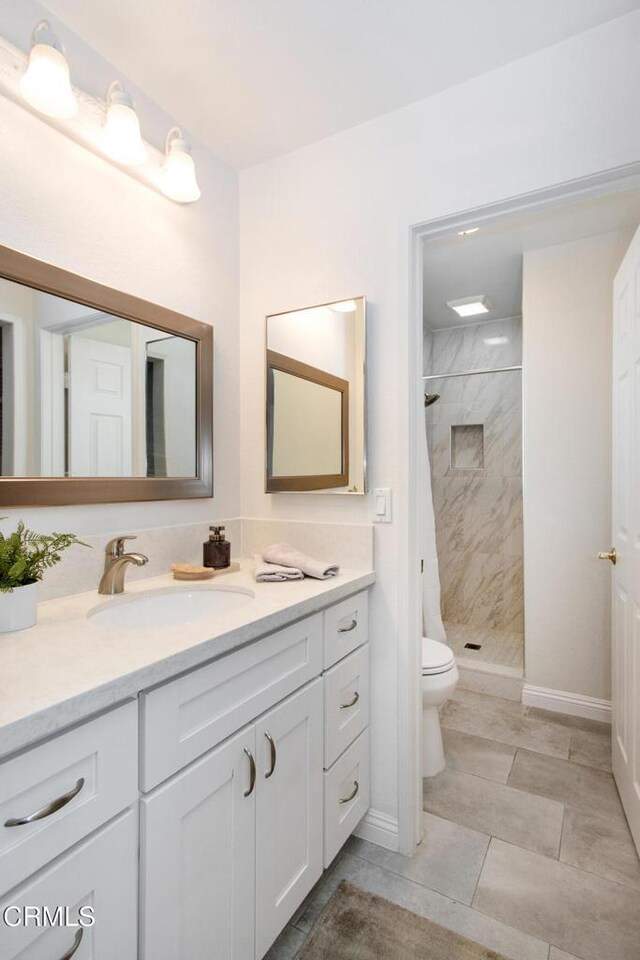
99, 409
626, 534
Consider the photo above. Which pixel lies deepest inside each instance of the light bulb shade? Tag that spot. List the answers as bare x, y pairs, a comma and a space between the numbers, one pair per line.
121, 137
178, 179
46, 83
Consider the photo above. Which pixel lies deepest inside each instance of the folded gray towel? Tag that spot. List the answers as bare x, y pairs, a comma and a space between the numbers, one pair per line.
273, 572
288, 556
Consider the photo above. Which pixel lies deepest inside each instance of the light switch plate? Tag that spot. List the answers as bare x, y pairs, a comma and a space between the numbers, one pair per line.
382, 505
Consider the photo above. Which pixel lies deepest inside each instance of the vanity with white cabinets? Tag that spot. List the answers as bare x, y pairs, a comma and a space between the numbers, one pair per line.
195, 817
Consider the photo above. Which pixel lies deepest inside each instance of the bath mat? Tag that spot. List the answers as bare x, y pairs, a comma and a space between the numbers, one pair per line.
361, 926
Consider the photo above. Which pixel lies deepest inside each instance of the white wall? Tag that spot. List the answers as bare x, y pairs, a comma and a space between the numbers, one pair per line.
567, 322
61, 203
328, 220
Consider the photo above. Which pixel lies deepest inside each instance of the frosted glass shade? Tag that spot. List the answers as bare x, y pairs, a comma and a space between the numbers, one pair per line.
178, 180
121, 138
46, 83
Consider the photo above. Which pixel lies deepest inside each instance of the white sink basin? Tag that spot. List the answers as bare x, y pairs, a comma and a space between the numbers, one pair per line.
168, 608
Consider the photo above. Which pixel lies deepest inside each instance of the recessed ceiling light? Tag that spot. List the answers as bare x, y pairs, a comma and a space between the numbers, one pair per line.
344, 306
468, 232
495, 341
470, 306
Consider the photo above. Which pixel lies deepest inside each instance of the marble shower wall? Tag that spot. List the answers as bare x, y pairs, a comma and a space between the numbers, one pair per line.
476, 473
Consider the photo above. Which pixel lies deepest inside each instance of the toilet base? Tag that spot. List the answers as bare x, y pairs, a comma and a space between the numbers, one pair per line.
433, 761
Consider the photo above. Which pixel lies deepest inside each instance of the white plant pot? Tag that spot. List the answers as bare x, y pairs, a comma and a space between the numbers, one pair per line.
19, 608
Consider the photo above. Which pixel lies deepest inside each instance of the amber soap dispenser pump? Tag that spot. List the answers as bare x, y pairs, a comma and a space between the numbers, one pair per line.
216, 551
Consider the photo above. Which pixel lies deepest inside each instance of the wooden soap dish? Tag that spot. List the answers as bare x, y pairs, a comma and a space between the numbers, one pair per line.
193, 571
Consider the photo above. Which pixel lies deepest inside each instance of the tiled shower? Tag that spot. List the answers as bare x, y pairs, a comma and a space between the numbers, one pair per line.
474, 436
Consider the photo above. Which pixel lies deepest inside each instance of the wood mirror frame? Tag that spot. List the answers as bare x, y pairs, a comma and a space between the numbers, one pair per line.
58, 491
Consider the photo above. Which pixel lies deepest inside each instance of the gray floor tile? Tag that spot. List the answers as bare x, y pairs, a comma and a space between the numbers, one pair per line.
510, 688
448, 860
556, 954
287, 945
578, 786
566, 720
496, 809
585, 915
504, 721
471, 754
591, 748
601, 845
493, 934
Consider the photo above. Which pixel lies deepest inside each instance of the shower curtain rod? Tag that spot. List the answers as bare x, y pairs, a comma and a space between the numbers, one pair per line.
470, 373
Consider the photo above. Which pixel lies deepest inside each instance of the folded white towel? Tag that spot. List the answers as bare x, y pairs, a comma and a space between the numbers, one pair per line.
288, 556
273, 572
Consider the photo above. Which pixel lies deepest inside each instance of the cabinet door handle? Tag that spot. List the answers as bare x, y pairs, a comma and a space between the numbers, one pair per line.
274, 755
350, 703
354, 793
351, 626
74, 946
252, 772
48, 809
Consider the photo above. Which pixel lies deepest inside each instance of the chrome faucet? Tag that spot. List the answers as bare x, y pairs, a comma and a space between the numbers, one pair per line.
115, 565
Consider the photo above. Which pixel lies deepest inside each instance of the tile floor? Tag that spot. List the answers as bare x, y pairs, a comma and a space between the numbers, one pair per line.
526, 849
504, 648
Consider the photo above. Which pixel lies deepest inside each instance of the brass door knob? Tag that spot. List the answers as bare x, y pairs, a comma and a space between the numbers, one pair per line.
608, 555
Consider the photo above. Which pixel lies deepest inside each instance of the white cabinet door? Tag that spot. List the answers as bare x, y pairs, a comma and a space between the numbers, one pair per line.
289, 809
198, 859
100, 873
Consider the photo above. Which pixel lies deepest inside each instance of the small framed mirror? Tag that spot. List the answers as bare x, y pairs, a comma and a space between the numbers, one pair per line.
315, 403
104, 397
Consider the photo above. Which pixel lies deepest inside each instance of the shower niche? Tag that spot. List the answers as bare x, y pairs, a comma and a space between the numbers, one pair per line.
467, 446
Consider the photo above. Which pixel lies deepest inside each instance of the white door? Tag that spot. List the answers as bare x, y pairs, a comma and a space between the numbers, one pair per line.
626, 534
100, 874
100, 443
198, 859
289, 810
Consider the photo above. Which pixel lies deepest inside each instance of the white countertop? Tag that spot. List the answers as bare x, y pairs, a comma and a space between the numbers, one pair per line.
66, 667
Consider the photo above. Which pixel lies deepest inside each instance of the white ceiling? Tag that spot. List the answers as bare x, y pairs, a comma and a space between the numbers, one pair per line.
253, 79
490, 261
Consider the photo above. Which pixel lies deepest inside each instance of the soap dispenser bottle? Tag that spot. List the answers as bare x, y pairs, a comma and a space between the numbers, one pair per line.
216, 551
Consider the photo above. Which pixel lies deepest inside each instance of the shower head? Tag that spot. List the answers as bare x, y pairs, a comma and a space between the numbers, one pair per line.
430, 398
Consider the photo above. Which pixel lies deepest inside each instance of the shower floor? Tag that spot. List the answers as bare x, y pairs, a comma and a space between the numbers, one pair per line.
500, 648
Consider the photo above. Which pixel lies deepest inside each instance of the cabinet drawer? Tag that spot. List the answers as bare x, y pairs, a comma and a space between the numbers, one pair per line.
93, 769
102, 874
346, 703
346, 795
346, 626
188, 716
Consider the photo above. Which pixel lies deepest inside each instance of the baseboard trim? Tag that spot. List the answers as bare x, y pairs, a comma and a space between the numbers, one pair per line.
379, 828
571, 703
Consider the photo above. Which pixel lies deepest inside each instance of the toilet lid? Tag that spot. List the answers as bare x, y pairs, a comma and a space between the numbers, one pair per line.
436, 656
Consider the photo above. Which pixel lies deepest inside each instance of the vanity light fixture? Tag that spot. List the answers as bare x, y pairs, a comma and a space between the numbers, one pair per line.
344, 306
46, 83
178, 177
470, 306
121, 138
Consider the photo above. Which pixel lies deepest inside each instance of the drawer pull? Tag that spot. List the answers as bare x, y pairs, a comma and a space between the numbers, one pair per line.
274, 755
252, 772
354, 793
74, 946
350, 703
350, 627
47, 810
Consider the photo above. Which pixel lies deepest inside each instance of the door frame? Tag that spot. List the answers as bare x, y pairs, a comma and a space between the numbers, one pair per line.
410, 349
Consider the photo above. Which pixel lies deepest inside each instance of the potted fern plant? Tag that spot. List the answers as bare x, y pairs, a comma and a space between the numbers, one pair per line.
24, 557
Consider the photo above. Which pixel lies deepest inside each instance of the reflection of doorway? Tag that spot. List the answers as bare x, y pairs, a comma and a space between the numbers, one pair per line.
154, 418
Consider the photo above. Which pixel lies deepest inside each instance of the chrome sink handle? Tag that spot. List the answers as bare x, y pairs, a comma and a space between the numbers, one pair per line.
115, 547
52, 807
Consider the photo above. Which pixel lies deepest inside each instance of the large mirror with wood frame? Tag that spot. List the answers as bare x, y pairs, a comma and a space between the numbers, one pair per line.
316, 399
103, 397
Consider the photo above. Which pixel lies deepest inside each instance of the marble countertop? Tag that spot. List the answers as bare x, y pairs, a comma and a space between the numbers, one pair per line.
66, 667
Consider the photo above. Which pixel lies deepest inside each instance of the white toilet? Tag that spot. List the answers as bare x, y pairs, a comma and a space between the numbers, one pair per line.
439, 678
